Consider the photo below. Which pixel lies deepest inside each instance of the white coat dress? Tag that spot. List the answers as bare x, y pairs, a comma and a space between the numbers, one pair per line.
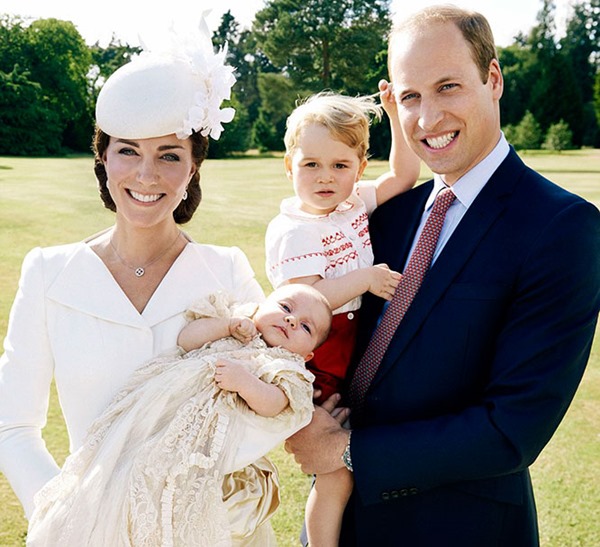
72, 322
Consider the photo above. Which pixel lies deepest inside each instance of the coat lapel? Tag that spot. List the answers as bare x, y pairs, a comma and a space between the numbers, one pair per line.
86, 285
482, 214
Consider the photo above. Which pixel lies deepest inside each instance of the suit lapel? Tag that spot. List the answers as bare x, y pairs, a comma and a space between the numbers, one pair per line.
482, 214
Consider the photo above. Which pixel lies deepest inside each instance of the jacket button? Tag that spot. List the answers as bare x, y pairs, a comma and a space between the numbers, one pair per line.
413, 491
404, 492
395, 494
350, 316
385, 496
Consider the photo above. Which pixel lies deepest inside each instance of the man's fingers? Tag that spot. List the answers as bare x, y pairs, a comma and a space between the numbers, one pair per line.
330, 404
341, 414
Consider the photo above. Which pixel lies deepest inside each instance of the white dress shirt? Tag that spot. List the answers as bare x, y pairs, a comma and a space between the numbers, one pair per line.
466, 189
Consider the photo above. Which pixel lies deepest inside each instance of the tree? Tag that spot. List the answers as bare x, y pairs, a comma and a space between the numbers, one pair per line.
59, 60
519, 69
554, 91
240, 54
29, 125
12, 42
278, 98
559, 137
107, 60
323, 45
47, 62
526, 135
581, 48
597, 96
236, 136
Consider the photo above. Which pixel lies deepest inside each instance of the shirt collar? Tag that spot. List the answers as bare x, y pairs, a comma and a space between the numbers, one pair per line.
291, 207
467, 187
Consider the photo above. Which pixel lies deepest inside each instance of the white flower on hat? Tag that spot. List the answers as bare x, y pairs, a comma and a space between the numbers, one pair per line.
177, 88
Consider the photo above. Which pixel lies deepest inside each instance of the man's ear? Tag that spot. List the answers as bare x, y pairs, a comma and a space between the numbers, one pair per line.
496, 79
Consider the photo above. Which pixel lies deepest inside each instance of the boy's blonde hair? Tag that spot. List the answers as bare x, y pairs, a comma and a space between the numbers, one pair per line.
346, 118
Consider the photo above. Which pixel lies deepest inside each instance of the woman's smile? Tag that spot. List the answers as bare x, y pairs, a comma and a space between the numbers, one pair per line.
145, 198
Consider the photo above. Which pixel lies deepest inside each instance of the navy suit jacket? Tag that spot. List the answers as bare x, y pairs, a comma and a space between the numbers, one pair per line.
481, 370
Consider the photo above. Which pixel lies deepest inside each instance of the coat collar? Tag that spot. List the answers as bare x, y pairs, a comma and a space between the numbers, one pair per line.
85, 284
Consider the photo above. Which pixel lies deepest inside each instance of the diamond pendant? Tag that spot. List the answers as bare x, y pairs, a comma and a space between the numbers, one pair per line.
139, 272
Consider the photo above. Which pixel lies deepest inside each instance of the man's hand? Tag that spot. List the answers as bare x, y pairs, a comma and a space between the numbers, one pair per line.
319, 446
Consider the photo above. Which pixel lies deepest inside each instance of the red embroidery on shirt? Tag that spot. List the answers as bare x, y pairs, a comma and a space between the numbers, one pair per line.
364, 232
340, 261
360, 219
295, 259
328, 240
338, 250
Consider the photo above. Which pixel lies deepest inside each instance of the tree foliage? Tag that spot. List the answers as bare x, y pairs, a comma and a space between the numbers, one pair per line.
278, 98
527, 134
49, 77
551, 78
559, 137
46, 61
323, 45
30, 125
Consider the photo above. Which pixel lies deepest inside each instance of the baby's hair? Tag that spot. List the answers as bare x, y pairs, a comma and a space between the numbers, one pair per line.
346, 118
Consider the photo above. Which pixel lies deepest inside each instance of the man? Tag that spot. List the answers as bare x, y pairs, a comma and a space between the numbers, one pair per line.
486, 360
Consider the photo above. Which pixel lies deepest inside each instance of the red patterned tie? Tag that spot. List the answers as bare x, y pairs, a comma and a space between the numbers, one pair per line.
405, 292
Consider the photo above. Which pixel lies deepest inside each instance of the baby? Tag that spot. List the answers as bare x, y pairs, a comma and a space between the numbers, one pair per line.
159, 465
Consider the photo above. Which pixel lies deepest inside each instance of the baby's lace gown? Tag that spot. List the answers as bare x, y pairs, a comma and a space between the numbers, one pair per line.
174, 460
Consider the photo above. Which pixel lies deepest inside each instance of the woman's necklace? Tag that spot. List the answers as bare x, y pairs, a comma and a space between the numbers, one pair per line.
139, 271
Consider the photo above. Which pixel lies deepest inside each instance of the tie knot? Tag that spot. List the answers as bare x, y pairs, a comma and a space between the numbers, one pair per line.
443, 201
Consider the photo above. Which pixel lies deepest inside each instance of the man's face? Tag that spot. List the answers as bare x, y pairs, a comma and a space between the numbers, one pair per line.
450, 118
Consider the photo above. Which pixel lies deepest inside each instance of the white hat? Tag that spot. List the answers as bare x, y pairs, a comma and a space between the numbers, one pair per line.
176, 90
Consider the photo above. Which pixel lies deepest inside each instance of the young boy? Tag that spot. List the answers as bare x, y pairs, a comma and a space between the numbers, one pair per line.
321, 238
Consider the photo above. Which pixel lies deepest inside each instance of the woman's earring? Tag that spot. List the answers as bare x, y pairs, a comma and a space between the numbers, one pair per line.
185, 195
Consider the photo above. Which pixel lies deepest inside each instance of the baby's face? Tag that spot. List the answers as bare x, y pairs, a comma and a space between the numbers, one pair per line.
294, 319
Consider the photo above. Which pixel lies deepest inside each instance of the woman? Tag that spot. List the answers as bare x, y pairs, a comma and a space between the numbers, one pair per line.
91, 312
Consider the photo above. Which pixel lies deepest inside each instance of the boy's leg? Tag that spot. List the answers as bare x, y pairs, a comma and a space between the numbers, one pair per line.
325, 507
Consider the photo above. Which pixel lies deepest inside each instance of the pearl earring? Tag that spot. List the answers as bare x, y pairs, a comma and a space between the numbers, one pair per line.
185, 195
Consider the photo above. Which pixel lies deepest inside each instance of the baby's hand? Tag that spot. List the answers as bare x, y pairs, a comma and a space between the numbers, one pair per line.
242, 329
383, 281
388, 101
230, 375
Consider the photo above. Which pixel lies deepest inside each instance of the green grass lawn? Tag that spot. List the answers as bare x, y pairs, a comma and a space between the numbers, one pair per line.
52, 201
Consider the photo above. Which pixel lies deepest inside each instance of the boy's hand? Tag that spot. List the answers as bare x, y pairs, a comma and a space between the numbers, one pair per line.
230, 375
383, 281
388, 101
242, 329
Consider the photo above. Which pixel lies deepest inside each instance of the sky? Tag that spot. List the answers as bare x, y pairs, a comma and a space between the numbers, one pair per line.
130, 19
